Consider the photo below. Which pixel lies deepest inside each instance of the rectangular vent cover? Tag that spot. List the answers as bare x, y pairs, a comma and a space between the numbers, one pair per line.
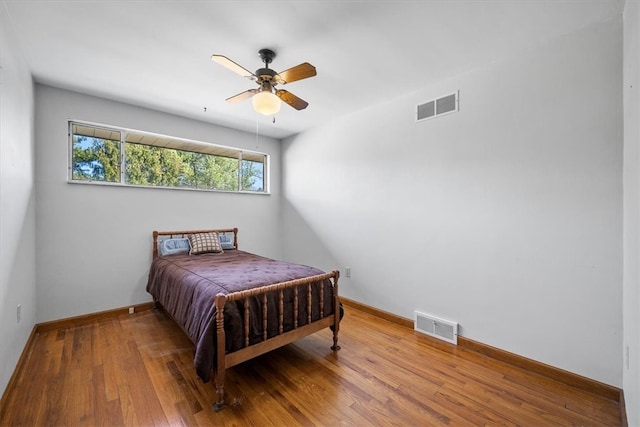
436, 327
437, 107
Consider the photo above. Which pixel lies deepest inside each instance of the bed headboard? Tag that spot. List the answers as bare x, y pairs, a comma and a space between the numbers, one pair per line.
157, 235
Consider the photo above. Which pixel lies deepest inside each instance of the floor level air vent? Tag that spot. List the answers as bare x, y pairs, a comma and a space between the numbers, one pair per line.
437, 107
436, 327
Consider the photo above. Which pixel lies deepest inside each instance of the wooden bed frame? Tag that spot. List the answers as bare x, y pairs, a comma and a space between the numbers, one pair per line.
226, 360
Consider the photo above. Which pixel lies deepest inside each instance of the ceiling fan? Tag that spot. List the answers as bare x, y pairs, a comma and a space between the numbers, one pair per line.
266, 99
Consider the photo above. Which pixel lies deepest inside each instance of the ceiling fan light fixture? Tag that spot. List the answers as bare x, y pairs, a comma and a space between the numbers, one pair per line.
267, 99
265, 102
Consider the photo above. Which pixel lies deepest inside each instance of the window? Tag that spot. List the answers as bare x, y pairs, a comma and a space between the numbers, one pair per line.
96, 154
101, 154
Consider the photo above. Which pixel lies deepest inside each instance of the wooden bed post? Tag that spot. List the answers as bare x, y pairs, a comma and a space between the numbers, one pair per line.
336, 311
235, 237
154, 252
220, 302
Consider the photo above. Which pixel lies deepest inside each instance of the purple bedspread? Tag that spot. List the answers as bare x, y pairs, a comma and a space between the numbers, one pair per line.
186, 286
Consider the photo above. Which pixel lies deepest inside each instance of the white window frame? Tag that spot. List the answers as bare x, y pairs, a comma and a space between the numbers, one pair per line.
181, 144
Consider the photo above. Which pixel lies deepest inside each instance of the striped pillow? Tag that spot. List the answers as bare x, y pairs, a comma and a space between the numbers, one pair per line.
203, 243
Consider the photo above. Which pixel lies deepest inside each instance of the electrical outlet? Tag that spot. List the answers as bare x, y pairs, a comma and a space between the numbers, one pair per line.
19, 312
626, 356
347, 271
132, 310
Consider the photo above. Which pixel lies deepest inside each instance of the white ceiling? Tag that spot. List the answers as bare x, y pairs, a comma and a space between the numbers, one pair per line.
157, 53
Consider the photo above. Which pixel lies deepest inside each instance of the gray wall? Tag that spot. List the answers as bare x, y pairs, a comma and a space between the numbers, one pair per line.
631, 287
504, 217
94, 242
17, 202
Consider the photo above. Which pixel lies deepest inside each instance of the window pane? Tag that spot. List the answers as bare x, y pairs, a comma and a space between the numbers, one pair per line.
154, 166
252, 175
210, 172
95, 158
158, 166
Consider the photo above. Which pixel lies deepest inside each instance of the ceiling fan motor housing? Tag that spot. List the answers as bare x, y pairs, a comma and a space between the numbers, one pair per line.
265, 74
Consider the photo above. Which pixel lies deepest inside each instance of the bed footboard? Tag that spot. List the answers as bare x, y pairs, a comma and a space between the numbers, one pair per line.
249, 351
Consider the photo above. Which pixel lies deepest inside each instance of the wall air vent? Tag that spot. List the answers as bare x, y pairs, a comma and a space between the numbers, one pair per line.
436, 327
437, 107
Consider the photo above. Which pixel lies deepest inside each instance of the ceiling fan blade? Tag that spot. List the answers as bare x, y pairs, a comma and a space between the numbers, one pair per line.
242, 96
299, 72
226, 62
291, 99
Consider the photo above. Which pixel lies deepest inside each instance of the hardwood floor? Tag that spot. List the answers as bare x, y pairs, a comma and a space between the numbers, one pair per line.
137, 370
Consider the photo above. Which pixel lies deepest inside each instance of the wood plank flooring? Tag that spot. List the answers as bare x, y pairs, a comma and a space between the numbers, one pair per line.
137, 370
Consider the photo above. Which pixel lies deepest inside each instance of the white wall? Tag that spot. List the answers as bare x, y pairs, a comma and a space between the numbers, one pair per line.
505, 216
17, 202
94, 242
631, 287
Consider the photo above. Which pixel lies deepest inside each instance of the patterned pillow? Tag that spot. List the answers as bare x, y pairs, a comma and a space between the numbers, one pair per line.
203, 243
